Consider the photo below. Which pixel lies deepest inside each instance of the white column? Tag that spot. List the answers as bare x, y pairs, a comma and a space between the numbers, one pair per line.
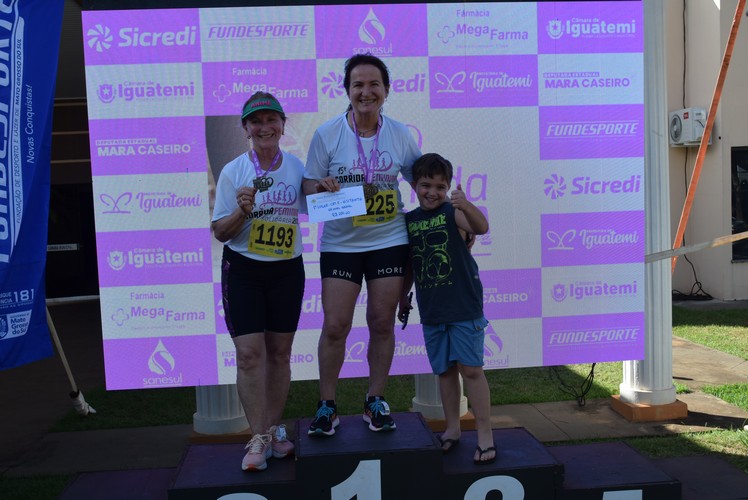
428, 400
219, 410
650, 381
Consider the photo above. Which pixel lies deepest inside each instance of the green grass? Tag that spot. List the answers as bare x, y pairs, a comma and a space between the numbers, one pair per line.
724, 330
33, 488
721, 330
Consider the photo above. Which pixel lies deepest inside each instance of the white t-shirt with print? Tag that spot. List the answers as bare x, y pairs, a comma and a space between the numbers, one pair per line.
334, 152
280, 203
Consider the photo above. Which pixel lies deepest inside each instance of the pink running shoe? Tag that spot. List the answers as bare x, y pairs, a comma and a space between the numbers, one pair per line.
259, 450
281, 446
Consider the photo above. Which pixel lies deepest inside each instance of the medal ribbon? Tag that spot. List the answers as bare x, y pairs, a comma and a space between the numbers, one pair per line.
256, 162
371, 162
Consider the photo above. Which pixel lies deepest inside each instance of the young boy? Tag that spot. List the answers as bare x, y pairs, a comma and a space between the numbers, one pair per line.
450, 297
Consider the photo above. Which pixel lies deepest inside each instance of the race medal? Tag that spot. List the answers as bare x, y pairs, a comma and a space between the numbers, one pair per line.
370, 190
262, 183
380, 209
272, 239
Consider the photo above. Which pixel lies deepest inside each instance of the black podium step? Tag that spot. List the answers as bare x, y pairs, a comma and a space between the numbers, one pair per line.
595, 471
408, 463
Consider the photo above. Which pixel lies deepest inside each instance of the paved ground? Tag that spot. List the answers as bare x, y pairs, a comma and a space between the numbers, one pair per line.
35, 396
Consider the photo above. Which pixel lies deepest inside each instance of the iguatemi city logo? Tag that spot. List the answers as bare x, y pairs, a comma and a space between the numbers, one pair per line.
138, 91
590, 239
588, 28
582, 290
555, 186
101, 39
481, 81
147, 202
148, 258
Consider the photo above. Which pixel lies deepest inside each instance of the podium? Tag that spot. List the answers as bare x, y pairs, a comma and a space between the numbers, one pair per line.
408, 463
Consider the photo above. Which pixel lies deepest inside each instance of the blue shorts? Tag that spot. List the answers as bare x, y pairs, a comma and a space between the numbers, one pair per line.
451, 343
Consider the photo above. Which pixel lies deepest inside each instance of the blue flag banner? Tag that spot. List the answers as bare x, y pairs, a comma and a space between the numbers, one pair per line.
29, 46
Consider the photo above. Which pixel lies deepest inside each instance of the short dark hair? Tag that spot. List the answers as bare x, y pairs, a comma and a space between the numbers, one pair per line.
360, 59
431, 164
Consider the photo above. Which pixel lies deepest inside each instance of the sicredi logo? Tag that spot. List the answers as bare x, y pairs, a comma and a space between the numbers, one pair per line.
581, 290
588, 28
555, 186
100, 37
140, 258
332, 84
136, 91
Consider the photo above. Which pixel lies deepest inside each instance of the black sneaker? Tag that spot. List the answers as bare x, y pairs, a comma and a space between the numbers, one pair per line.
325, 420
377, 414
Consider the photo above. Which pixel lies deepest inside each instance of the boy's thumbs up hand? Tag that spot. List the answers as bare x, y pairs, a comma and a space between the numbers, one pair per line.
459, 201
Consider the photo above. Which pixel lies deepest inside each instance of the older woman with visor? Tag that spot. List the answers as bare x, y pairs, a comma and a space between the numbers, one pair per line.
256, 216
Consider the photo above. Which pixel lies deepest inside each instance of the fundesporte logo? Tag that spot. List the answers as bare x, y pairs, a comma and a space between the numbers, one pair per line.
99, 38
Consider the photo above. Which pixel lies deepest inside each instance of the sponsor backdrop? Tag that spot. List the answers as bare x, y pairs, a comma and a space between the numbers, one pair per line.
29, 44
538, 105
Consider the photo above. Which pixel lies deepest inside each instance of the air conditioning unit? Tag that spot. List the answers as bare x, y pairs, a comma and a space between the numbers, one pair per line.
686, 126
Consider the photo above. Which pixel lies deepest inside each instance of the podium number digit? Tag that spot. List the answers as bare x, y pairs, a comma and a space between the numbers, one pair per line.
509, 487
623, 495
364, 484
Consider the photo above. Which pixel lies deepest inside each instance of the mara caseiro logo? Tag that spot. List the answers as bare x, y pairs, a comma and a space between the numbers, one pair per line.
99, 38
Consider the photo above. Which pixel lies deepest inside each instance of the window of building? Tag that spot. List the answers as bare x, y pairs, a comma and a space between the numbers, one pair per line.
739, 160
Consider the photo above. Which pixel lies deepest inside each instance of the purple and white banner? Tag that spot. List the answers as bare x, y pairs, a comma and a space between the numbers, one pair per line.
539, 106
29, 43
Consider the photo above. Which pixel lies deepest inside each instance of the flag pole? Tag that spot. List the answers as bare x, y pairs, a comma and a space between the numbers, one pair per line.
79, 403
